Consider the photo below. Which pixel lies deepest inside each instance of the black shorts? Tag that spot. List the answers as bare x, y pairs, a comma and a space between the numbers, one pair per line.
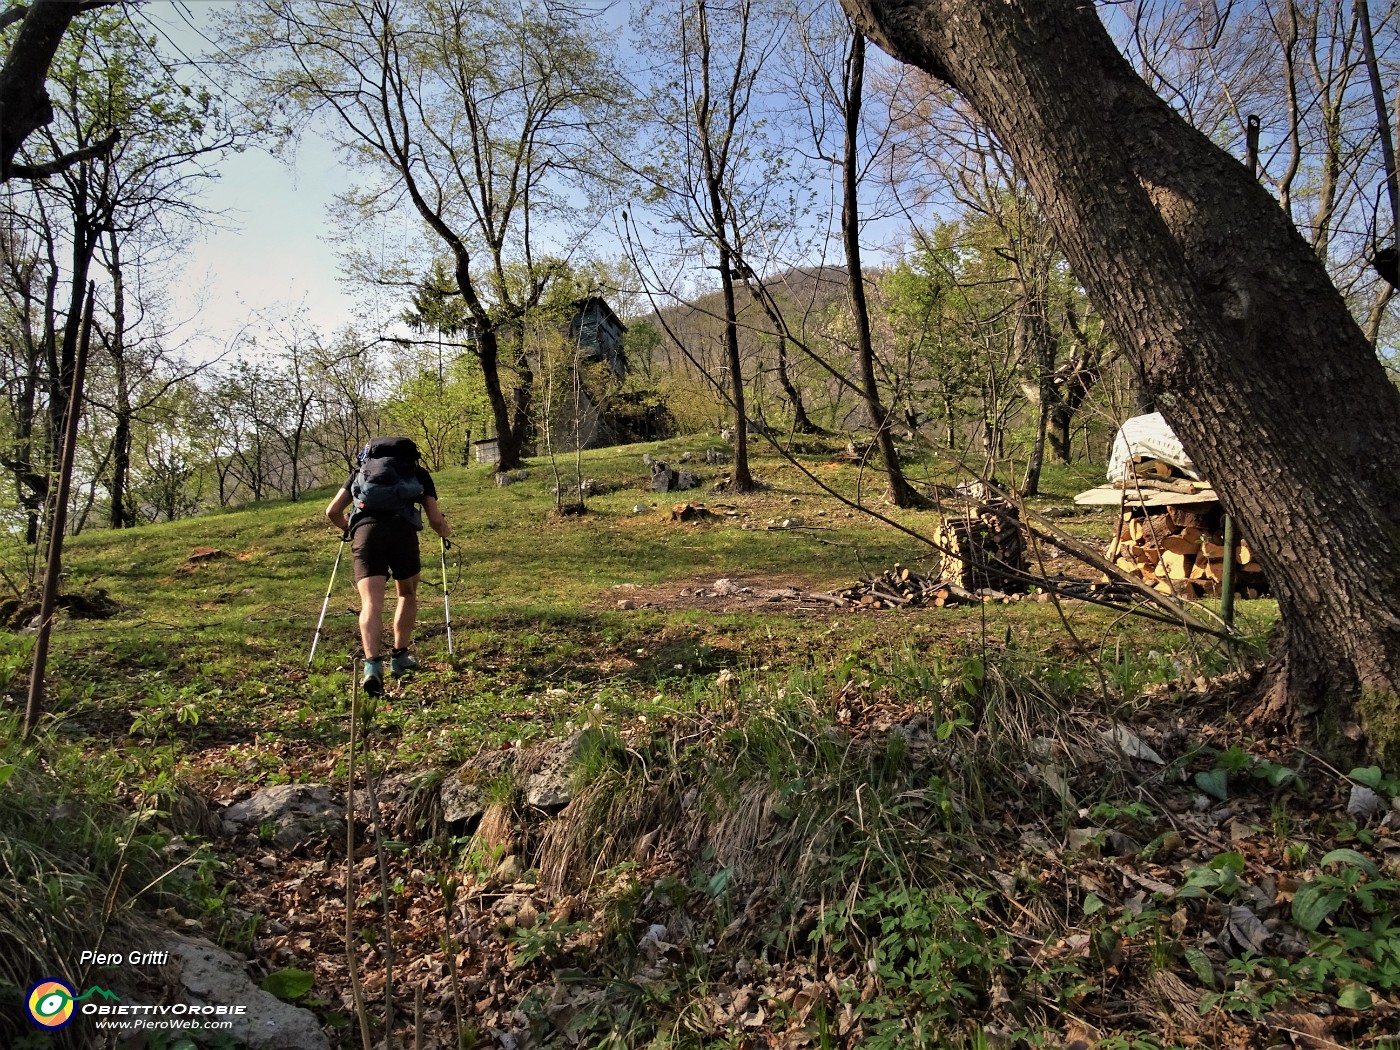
386, 548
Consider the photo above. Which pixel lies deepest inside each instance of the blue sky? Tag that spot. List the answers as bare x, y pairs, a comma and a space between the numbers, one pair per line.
268, 253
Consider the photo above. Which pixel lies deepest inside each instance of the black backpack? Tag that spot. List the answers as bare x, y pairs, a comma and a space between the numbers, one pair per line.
387, 483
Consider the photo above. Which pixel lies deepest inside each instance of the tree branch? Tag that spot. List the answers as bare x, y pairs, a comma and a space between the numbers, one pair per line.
63, 163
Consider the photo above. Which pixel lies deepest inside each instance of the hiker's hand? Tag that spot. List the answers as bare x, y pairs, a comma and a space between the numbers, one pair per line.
446, 543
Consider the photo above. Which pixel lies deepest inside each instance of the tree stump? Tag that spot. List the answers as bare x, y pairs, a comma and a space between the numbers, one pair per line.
984, 547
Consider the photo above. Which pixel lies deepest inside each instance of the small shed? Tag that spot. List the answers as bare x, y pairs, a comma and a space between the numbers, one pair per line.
487, 451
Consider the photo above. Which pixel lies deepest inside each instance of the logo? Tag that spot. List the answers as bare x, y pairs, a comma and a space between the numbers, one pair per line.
51, 1004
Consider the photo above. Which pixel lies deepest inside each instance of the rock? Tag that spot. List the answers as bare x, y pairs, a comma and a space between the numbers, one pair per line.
547, 772
727, 435
661, 480
463, 793
640, 508
299, 813
647, 458
211, 976
686, 480
626, 604
716, 455
510, 477
691, 512
543, 773
727, 683
509, 870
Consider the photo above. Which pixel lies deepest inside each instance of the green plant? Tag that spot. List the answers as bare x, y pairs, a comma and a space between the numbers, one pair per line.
1373, 778
545, 940
1357, 886
1234, 761
934, 954
1220, 876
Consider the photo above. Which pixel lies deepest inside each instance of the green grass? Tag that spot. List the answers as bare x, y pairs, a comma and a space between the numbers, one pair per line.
538, 634
200, 680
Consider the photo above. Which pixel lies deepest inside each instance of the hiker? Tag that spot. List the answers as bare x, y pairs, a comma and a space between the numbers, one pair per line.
383, 497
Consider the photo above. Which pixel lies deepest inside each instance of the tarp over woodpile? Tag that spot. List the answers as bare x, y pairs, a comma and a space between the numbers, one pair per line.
1148, 467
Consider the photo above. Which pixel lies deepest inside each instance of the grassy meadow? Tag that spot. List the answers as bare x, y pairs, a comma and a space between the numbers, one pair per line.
905, 828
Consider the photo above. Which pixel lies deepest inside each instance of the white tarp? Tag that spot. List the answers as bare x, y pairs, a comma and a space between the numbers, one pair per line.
1148, 437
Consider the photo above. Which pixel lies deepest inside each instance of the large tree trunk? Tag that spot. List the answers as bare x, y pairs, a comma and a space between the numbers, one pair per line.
118, 516
488, 353
1240, 337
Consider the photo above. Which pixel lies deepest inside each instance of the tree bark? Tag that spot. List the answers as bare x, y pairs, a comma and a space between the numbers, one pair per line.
1229, 315
118, 516
714, 157
488, 353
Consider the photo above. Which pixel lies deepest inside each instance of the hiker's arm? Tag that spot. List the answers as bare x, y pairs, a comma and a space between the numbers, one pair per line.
336, 510
435, 518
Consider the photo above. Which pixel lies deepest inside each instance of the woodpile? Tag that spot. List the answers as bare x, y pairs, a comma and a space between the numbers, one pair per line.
1180, 550
902, 587
984, 548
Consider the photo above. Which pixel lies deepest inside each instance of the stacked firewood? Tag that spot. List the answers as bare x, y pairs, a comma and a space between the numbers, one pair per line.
984, 547
1180, 550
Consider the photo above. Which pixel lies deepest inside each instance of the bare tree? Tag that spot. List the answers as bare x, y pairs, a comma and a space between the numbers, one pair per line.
480, 118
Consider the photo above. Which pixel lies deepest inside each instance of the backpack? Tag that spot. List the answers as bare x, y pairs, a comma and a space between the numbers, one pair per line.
387, 484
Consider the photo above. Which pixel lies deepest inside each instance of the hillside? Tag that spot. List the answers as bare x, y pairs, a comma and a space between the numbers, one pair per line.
638, 807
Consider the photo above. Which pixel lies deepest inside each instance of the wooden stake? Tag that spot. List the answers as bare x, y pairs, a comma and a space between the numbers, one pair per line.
34, 705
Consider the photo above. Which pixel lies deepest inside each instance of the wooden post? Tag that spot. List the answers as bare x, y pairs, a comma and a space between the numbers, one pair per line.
35, 704
1227, 575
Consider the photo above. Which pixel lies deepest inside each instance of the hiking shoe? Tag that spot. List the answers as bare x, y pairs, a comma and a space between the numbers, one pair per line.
402, 663
374, 677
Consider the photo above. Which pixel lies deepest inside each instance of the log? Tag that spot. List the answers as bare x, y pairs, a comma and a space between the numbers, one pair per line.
1151, 468
1208, 521
1158, 485
1176, 564
1180, 545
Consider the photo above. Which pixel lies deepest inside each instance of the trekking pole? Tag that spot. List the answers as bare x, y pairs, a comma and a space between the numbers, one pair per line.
326, 604
446, 609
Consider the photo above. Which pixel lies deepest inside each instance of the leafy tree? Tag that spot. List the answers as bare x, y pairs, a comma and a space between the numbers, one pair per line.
122, 206
481, 116
24, 104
